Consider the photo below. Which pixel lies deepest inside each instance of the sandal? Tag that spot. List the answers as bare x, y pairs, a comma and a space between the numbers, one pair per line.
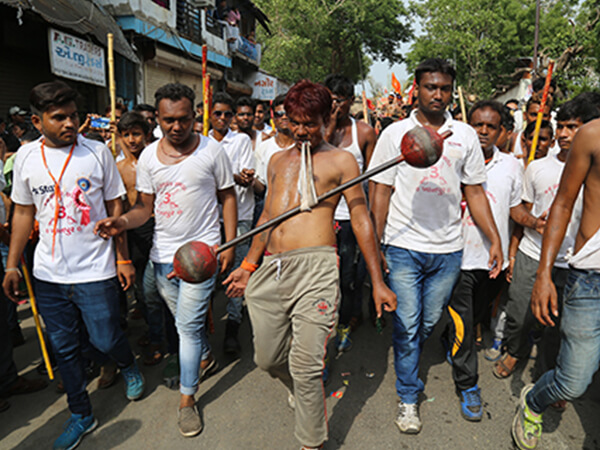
24, 386
108, 375
210, 369
500, 365
154, 356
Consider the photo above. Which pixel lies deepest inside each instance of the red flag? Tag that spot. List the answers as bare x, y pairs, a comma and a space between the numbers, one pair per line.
396, 85
410, 92
370, 105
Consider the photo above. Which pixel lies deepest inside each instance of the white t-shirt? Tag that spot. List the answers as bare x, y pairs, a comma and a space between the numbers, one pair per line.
185, 204
90, 179
424, 213
262, 156
238, 147
540, 186
504, 187
342, 212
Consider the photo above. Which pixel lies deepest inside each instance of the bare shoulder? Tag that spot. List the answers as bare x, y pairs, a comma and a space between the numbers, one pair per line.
587, 139
365, 129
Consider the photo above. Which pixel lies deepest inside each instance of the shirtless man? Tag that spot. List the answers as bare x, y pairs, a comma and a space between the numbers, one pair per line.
134, 134
293, 297
358, 138
579, 352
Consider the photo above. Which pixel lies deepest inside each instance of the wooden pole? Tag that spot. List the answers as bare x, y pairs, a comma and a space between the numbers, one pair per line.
36, 319
205, 91
540, 114
112, 91
536, 39
461, 99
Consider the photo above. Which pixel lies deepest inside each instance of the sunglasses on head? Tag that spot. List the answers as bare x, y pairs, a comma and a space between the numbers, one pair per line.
227, 114
279, 114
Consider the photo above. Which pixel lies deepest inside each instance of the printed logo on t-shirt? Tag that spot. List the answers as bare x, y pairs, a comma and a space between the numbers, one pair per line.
166, 205
73, 213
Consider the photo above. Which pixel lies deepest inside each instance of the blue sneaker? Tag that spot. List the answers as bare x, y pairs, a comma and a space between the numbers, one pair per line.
495, 351
470, 404
134, 382
343, 342
75, 428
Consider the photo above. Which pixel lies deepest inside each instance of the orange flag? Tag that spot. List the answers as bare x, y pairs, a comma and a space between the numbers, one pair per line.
396, 85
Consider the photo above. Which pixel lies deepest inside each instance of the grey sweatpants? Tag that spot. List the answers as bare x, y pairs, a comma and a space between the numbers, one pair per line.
293, 301
520, 320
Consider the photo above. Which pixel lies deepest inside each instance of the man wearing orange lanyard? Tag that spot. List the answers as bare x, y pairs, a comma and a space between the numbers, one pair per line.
68, 183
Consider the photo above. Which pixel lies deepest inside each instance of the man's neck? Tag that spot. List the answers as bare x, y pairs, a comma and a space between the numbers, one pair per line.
343, 122
186, 146
250, 132
432, 120
562, 155
219, 135
488, 153
53, 144
283, 140
260, 128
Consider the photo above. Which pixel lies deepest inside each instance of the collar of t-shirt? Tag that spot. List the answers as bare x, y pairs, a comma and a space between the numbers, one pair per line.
495, 159
228, 137
447, 125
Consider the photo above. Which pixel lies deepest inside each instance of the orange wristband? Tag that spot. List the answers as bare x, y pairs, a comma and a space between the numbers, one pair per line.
248, 266
127, 261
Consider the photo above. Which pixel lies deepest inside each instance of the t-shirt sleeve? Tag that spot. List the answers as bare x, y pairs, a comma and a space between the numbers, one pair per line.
246, 155
259, 163
385, 149
517, 186
143, 180
473, 170
113, 185
21, 191
528, 190
222, 171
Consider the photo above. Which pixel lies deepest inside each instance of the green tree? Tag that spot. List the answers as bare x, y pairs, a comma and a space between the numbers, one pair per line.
486, 38
312, 38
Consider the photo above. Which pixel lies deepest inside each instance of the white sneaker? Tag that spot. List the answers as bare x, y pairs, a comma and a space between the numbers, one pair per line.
408, 419
291, 400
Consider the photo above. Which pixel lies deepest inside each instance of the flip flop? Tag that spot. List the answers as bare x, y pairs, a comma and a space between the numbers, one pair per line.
209, 370
500, 364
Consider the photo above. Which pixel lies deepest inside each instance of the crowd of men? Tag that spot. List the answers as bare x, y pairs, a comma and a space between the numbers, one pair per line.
484, 236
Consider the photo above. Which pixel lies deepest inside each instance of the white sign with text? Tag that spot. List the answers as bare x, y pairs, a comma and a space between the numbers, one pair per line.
75, 58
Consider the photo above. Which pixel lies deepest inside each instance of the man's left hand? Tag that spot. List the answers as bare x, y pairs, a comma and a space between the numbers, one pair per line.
496, 260
384, 298
126, 274
226, 259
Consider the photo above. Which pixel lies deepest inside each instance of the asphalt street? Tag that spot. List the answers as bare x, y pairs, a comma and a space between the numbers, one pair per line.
243, 408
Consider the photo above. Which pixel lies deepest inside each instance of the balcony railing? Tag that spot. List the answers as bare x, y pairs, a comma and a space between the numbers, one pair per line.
189, 21
250, 50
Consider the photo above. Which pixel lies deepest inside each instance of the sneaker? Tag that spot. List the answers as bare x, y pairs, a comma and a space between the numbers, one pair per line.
343, 342
470, 404
134, 382
189, 421
75, 428
171, 372
526, 426
408, 420
291, 400
495, 351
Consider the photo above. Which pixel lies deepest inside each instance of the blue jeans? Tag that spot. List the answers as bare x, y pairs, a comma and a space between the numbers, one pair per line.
235, 304
579, 352
189, 305
69, 310
423, 284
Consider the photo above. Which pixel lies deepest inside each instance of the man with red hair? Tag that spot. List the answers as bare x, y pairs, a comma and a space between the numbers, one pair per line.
293, 297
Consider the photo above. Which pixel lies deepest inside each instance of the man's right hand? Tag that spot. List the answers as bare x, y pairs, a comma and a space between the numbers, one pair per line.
237, 280
109, 227
11, 285
544, 300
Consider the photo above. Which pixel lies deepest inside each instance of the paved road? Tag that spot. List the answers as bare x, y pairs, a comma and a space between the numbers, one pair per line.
243, 408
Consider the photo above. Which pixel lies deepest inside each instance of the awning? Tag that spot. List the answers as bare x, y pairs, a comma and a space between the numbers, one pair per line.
235, 87
82, 16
